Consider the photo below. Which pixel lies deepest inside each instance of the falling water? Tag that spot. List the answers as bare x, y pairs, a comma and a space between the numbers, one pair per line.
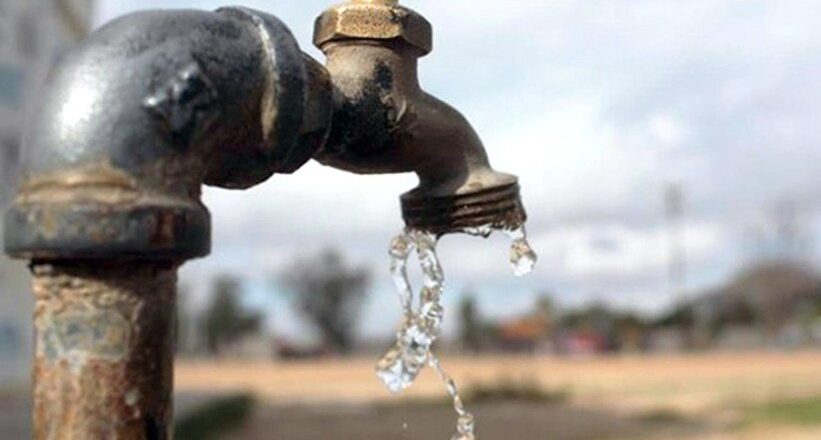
401, 365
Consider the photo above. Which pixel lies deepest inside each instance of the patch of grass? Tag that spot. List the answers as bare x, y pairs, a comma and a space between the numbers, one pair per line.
804, 411
661, 415
507, 389
514, 390
215, 418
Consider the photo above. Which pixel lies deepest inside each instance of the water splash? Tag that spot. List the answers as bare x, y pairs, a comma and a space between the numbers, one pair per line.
420, 328
399, 368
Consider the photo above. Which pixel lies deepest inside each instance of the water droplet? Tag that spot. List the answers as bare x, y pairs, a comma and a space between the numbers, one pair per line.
522, 256
480, 231
391, 370
465, 428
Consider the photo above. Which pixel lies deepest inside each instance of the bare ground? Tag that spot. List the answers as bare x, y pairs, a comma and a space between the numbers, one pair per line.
611, 398
685, 383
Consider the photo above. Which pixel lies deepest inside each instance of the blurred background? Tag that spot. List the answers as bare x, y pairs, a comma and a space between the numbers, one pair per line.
668, 157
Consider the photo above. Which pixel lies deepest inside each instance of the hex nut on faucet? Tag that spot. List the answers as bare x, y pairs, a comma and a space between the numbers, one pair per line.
374, 20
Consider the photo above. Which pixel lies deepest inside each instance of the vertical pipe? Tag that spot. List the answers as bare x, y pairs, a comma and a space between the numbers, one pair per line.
104, 349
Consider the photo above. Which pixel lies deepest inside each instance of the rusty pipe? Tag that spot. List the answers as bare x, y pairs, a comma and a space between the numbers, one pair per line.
384, 122
104, 350
130, 126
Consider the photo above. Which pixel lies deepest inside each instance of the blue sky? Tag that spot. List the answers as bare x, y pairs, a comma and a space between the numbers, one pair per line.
597, 106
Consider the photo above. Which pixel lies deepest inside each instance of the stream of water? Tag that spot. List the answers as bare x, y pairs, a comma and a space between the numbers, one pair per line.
421, 326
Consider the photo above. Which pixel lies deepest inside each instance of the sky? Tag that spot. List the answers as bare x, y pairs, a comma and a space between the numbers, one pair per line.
597, 106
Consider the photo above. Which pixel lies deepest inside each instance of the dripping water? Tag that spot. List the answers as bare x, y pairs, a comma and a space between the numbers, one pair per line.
420, 328
522, 256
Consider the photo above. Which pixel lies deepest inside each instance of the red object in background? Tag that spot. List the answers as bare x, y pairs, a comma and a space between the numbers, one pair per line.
583, 343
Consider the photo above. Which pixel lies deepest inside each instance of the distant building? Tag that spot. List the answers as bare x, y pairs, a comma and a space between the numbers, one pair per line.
526, 334
581, 343
32, 34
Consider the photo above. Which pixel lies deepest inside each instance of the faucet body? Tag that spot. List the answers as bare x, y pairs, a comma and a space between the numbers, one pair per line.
384, 122
154, 105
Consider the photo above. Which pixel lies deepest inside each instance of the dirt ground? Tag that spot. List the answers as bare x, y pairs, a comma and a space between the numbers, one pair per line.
507, 420
661, 397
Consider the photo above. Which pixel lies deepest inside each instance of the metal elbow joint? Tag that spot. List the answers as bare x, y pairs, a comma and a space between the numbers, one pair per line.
148, 109
383, 122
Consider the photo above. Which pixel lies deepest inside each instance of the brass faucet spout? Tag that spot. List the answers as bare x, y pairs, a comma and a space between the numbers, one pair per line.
384, 122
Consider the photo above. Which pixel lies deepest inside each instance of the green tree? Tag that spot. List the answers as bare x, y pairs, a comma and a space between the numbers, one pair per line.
545, 308
225, 320
330, 294
471, 326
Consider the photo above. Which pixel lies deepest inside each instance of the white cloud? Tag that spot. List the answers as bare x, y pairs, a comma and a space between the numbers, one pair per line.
616, 250
666, 130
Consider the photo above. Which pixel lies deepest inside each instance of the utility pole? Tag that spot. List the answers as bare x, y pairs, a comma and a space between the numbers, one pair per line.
676, 253
675, 200
677, 264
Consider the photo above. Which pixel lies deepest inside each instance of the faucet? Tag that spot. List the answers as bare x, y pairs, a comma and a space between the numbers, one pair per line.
383, 122
155, 104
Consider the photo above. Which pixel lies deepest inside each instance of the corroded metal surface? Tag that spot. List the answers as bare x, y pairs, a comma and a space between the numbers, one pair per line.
104, 350
79, 231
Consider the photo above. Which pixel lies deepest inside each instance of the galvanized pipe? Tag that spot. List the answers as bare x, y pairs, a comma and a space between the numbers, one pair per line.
103, 350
